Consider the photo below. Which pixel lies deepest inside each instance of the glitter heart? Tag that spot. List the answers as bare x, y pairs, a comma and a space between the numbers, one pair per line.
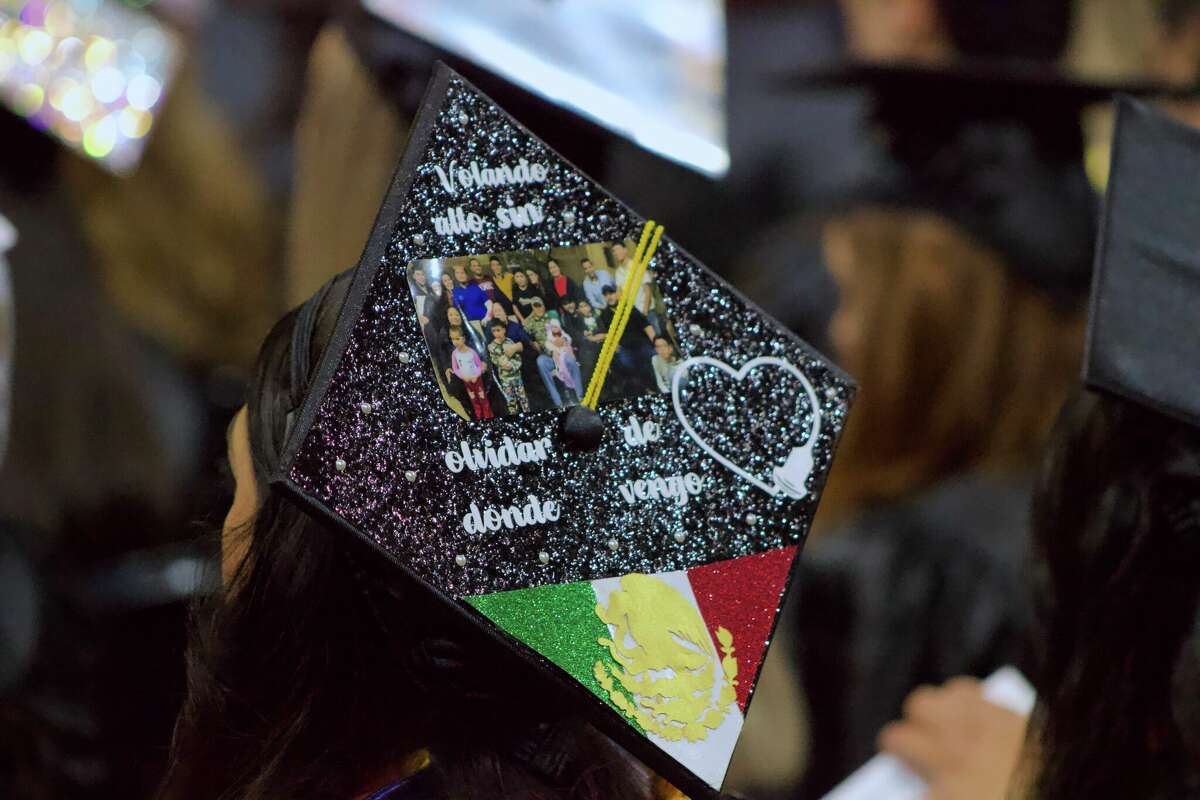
777, 458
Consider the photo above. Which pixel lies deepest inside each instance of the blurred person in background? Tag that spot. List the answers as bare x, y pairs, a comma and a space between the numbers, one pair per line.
1117, 550
366, 689
960, 280
939, 31
962, 365
1115, 528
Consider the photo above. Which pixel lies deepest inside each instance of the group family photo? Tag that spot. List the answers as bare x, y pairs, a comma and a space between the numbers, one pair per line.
522, 331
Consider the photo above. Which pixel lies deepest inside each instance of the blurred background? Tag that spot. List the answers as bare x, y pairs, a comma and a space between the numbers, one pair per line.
911, 185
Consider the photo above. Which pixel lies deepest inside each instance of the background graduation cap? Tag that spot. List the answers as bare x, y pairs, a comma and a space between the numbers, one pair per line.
1144, 331
643, 577
994, 145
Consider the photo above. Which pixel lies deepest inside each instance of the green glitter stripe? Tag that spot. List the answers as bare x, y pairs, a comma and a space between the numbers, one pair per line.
558, 621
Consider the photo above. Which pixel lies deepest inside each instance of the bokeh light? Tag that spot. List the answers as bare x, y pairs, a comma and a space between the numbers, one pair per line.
100, 137
143, 92
91, 72
28, 99
108, 84
134, 124
99, 52
35, 45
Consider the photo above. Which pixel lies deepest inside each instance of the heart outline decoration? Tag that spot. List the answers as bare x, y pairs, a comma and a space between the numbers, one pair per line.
792, 475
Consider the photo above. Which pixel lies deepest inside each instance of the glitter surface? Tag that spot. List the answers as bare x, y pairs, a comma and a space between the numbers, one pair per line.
744, 596
755, 421
558, 622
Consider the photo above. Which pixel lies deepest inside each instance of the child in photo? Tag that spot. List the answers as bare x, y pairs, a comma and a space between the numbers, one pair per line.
665, 363
566, 367
468, 367
505, 355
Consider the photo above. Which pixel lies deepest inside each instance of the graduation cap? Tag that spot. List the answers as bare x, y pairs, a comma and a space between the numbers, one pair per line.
1143, 340
642, 576
995, 145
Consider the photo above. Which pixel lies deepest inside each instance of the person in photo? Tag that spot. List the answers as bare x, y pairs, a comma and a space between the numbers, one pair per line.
665, 362
471, 298
505, 356
561, 289
644, 298
523, 294
535, 326
531, 378
501, 278
566, 366
445, 283
485, 282
535, 280
423, 296
635, 349
468, 367
594, 281
475, 268
441, 350
590, 336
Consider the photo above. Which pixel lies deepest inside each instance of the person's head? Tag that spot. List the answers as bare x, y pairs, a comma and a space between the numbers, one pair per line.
584, 308
454, 317
447, 282
960, 364
553, 268
476, 269
589, 269
533, 276
495, 266
939, 31
664, 349
498, 312
537, 307
499, 330
460, 275
520, 278
611, 295
1116, 528
458, 338
569, 306
419, 278
310, 676
620, 253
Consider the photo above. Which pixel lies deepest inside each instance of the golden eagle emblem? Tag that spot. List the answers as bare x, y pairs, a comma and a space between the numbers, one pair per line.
666, 661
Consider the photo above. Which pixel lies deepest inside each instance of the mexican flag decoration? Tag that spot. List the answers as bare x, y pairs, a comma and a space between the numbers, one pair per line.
675, 653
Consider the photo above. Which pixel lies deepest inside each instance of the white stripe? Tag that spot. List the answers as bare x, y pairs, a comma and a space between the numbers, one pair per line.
708, 758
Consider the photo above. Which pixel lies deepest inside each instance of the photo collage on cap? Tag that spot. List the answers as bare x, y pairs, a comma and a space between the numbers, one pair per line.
522, 331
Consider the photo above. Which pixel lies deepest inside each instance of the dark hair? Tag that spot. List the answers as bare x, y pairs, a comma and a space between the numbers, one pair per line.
310, 677
1014, 29
496, 259
1117, 538
498, 324
585, 261
1175, 13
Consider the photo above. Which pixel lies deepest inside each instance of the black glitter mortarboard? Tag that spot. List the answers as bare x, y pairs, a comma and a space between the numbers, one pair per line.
641, 577
1144, 330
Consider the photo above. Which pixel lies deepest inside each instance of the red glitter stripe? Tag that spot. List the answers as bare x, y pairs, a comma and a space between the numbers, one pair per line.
743, 596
